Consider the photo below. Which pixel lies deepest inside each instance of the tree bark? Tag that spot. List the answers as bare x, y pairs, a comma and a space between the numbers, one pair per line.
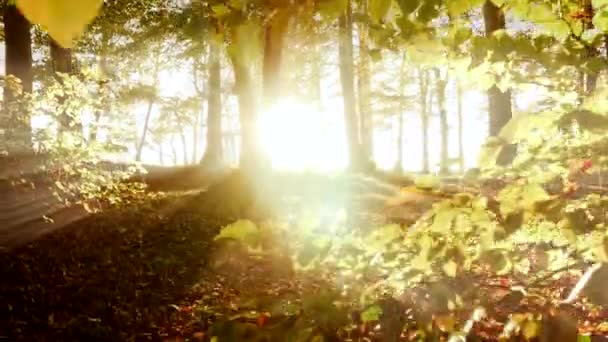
182, 136
274, 32
348, 92
424, 118
364, 84
249, 152
499, 103
18, 61
61, 61
214, 151
590, 77
440, 88
142, 141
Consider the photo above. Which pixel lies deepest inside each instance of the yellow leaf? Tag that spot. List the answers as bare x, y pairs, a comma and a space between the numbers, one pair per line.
450, 268
64, 20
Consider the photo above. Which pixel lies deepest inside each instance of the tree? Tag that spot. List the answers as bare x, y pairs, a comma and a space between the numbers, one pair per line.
345, 24
19, 64
499, 102
423, 83
214, 152
366, 118
440, 89
460, 126
61, 63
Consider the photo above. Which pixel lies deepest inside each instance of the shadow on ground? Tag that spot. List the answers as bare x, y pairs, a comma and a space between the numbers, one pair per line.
110, 277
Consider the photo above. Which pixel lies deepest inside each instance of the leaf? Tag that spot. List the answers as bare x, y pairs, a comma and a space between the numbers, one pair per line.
64, 20
332, 8
242, 230
371, 314
378, 9
450, 268
600, 20
583, 338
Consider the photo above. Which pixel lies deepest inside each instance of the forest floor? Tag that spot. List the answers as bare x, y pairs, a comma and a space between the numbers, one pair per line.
152, 272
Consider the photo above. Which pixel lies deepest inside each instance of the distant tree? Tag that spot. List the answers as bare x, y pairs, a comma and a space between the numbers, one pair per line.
440, 94
214, 151
423, 83
345, 24
366, 117
499, 102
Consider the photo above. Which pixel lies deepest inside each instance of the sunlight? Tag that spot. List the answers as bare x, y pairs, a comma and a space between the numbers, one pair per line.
297, 137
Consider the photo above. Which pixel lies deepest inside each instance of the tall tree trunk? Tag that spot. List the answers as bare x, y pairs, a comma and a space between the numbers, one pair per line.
105, 106
366, 119
274, 32
402, 106
173, 148
249, 152
590, 77
195, 139
460, 126
440, 88
424, 117
182, 136
142, 140
214, 151
61, 60
348, 91
18, 61
499, 103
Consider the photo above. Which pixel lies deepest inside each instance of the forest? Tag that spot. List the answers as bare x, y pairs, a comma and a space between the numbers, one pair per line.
304, 170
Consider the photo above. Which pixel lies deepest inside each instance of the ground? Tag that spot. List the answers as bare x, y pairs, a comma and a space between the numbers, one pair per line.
151, 271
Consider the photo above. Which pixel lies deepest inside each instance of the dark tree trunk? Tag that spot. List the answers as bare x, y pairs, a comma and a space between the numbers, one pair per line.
424, 117
249, 153
214, 151
61, 62
590, 77
274, 32
499, 103
18, 43
348, 89
364, 83
440, 88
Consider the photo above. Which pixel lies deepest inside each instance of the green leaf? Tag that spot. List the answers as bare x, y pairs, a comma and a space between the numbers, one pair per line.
378, 9
332, 8
408, 6
600, 20
583, 338
371, 314
64, 20
242, 230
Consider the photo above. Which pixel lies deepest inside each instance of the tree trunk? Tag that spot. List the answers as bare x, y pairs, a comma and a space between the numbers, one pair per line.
18, 61
364, 84
402, 85
142, 140
274, 31
182, 136
499, 103
590, 77
61, 61
424, 118
440, 88
214, 151
348, 91
249, 152
460, 127
173, 149
105, 106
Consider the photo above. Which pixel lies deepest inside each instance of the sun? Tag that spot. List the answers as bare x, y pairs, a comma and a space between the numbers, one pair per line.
298, 137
